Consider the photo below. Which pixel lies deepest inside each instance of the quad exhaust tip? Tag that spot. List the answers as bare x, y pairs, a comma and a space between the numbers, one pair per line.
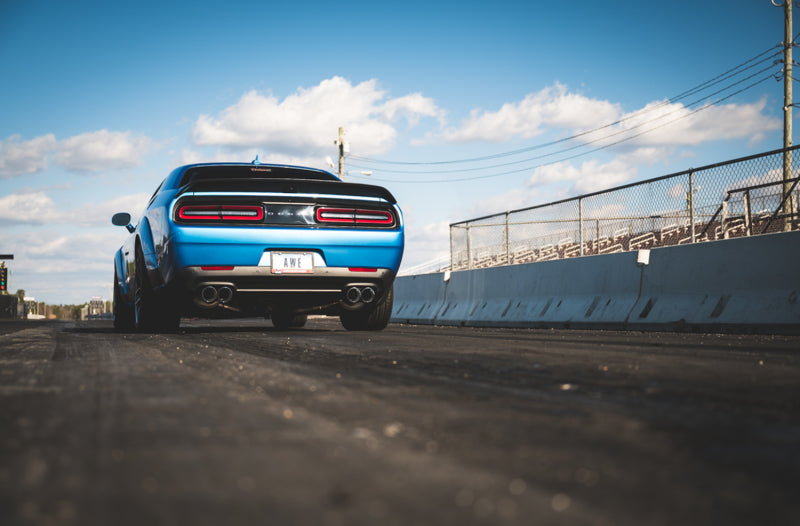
353, 295
356, 294
210, 294
368, 294
225, 294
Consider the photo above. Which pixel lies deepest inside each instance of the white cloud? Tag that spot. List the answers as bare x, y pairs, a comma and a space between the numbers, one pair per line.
24, 157
28, 207
305, 123
103, 150
553, 106
593, 175
676, 125
35, 207
68, 252
100, 214
412, 108
659, 123
589, 176
84, 153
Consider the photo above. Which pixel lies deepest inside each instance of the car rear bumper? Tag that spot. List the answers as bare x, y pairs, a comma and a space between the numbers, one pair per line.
256, 289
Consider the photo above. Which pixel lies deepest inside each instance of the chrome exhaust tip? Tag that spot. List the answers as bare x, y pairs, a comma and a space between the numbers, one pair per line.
368, 294
225, 294
209, 294
353, 295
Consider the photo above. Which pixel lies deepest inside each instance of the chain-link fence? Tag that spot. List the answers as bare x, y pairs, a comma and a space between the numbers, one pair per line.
748, 196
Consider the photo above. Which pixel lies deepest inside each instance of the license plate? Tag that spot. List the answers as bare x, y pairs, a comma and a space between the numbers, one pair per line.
292, 263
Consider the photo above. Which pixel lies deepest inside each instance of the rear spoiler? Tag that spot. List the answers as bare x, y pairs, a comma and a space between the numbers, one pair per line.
287, 186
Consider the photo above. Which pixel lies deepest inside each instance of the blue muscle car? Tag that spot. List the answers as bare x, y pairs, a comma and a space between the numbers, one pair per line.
236, 240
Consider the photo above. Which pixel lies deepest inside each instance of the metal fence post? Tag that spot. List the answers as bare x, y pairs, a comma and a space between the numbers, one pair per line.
724, 220
580, 223
597, 239
691, 203
452, 255
469, 246
748, 220
508, 246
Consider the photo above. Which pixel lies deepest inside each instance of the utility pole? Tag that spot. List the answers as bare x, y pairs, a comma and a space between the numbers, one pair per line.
788, 43
340, 142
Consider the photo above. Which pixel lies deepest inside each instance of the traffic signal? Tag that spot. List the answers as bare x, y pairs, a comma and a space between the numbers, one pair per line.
3, 279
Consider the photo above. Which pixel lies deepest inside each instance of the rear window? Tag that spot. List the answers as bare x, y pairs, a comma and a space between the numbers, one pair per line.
204, 173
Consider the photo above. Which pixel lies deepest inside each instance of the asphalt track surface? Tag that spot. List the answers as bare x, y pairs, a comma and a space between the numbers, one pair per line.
236, 423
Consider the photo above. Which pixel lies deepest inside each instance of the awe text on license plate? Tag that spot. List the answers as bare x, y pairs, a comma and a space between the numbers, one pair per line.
292, 263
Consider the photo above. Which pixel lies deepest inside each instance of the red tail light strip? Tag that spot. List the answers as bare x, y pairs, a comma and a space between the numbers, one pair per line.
374, 217
221, 213
335, 215
352, 215
199, 213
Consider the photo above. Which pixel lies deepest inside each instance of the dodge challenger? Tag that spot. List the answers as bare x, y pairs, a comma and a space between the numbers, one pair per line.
243, 240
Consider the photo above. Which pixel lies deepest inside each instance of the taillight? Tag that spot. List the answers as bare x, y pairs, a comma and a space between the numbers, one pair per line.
199, 213
335, 215
374, 217
354, 216
242, 213
221, 213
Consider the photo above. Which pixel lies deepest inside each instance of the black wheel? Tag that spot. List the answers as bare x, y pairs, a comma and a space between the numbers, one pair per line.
286, 319
375, 319
151, 313
123, 313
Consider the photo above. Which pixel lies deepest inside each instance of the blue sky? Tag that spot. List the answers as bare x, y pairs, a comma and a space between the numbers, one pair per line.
100, 100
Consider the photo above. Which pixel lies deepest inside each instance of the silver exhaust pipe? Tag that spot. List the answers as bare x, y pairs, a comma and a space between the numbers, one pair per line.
225, 294
368, 294
209, 294
353, 295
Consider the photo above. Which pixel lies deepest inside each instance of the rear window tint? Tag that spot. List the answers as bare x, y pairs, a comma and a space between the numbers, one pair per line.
202, 173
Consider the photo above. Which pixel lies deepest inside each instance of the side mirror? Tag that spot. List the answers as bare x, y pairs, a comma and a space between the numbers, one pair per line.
123, 219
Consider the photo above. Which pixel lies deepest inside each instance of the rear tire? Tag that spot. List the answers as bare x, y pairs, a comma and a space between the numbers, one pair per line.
150, 312
375, 319
123, 313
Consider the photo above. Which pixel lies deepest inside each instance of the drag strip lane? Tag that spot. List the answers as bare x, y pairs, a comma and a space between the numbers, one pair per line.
235, 422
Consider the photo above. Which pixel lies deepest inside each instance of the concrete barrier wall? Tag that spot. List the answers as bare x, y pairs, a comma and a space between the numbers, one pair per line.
740, 284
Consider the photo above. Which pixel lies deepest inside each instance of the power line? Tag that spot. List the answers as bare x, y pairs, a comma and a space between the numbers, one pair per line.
625, 139
716, 80
585, 143
599, 139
